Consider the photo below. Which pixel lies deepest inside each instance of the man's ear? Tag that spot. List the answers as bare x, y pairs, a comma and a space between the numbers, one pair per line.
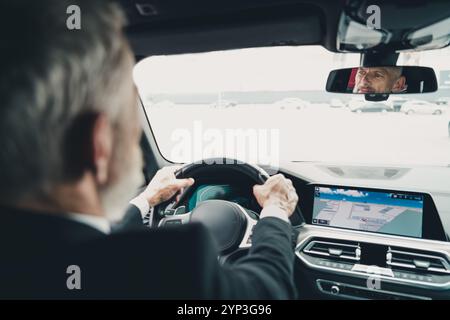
101, 142
399, 85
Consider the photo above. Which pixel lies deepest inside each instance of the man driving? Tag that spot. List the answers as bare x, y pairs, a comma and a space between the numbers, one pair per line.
71, 161
379, 80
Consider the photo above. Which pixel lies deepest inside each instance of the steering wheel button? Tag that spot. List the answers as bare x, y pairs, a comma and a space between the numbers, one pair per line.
172, 222
180, 210
169, 212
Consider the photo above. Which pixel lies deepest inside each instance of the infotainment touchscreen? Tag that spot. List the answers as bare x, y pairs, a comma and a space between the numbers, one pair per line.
358, 209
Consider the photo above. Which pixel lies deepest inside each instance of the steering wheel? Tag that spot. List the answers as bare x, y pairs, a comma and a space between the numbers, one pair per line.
231, 224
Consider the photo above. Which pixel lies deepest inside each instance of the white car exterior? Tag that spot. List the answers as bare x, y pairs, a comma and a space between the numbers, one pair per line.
292, 104
359, 104
336, 103
422, 107
223, 104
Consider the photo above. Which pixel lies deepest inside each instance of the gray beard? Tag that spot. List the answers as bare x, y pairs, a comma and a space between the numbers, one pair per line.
115, 198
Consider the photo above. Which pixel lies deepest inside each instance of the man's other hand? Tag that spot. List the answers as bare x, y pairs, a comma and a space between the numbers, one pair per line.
165, 185
277, 191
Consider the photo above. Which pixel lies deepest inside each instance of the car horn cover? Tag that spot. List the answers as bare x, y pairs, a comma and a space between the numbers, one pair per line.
225, 220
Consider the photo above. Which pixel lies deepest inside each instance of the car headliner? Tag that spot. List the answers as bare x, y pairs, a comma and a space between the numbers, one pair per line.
180, 26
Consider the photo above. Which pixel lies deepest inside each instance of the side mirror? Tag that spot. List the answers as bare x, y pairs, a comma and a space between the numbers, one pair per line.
382, 80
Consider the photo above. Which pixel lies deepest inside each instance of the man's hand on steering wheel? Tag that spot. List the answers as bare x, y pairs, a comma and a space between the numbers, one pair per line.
165, 185
277, 191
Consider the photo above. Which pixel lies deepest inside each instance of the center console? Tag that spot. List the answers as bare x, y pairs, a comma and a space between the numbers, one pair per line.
364, 243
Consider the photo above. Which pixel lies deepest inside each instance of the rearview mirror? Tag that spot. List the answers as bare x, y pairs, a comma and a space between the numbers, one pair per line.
382, 80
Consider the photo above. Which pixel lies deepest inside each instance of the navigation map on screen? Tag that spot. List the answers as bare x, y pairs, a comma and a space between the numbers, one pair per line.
383, 212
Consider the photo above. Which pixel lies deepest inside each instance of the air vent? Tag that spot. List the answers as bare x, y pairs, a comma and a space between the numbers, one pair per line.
334, 250
426, 262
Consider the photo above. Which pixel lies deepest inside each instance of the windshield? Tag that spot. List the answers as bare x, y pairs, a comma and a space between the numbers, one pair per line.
267, 105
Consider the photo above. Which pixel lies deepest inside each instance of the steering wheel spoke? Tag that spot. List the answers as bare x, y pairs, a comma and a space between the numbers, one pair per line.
176, 219
246, 242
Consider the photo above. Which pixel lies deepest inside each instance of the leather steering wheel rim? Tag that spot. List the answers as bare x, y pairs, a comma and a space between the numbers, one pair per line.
257, 174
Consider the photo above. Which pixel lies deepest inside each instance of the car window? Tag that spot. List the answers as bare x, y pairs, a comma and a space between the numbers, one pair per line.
268, 105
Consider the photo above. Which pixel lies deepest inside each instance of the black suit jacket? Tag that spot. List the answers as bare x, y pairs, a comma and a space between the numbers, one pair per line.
37, 249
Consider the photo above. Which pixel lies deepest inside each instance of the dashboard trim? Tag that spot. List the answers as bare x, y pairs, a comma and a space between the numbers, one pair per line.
319, 283
309, 232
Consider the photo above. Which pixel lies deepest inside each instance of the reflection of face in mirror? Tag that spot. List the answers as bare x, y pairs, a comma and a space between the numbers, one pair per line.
379, 80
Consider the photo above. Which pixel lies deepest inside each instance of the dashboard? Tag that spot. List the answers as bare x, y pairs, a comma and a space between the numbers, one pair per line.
357, 241
371, 243
394, 212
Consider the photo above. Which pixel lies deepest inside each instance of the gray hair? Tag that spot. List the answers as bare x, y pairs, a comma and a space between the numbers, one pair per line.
51, 80
397, 71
